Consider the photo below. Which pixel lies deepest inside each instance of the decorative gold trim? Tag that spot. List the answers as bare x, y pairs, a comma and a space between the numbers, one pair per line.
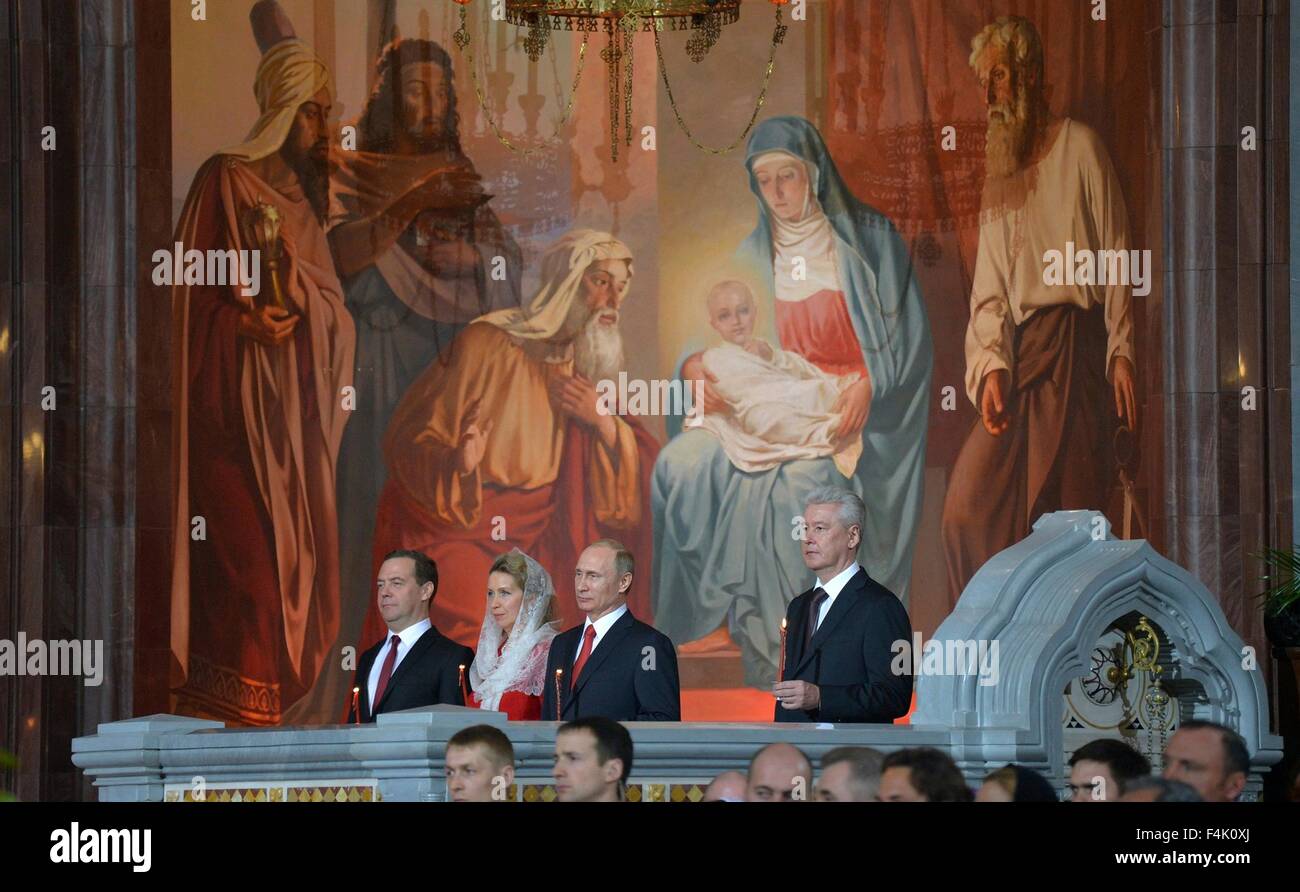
219, 691
588, 15
275, 792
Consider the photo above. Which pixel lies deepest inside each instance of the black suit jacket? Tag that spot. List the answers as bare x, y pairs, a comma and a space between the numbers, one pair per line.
631, 675
429, 674
849, 656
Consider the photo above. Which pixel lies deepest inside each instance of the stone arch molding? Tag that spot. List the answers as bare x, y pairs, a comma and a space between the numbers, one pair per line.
1046, 601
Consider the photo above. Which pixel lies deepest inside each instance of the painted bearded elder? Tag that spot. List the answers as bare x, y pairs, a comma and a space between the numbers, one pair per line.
1046, 358
504, 445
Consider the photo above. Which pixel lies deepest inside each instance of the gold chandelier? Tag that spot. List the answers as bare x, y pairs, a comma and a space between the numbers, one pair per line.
708, 17
619, 21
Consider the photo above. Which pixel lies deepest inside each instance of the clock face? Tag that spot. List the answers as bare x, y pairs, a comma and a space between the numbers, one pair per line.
1097, 685
1137, 710
1102, 698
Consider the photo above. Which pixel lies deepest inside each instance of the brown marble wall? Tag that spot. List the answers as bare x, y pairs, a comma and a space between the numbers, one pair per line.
28, 702
1226, 312
11, 276
92, 69
153, 416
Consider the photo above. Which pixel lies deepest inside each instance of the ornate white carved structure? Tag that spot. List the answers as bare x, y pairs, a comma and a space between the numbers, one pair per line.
1051, 602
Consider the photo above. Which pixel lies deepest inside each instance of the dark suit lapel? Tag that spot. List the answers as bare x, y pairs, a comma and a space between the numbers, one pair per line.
843, 604
794, 634
604, 648
363, 681
417, 652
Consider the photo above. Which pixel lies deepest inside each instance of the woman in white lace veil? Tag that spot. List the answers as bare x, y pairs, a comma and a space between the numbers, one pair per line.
518, 625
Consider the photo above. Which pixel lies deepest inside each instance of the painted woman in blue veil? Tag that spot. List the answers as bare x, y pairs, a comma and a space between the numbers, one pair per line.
839, 282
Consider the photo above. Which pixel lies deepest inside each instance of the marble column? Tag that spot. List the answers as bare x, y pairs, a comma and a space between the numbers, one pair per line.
69, 359
1227, 450
28, 723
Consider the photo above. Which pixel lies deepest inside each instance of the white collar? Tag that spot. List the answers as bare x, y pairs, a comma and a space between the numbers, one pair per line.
836, 584
605, 622
411, 633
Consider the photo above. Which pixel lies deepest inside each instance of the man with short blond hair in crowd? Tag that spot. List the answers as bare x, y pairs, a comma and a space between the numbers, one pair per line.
480, 765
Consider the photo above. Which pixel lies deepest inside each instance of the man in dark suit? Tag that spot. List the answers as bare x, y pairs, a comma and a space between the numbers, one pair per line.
840, 634
613, 665
415, 665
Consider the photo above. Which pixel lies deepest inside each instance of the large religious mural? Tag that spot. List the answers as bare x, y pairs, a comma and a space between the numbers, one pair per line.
528, 289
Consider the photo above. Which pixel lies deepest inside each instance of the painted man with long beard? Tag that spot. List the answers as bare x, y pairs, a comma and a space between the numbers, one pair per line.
258, 418
505, 445
1038, 353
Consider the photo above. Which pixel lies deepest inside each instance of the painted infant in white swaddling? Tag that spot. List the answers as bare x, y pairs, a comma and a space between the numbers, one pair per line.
781, 404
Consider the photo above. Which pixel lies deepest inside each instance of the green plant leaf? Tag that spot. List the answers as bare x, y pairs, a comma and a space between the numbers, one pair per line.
1282, 579
7, 761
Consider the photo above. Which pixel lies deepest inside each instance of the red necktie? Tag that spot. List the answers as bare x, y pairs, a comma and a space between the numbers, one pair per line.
385, 674
588, 640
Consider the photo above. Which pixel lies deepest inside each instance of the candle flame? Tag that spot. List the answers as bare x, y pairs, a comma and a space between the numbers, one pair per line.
782, 624
356, 690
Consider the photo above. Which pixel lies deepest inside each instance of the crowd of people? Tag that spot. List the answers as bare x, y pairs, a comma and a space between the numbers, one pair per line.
1203, 762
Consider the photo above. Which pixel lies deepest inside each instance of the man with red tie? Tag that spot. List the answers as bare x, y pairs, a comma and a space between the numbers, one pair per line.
415, 665
841, 632
613, 665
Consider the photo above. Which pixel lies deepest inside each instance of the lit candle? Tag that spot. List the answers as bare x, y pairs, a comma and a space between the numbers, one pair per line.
356, 708
559, 674
464, 691
780, 669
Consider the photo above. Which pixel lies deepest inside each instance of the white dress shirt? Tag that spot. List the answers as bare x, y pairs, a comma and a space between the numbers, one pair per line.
602, 626
408, 637
833, 588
